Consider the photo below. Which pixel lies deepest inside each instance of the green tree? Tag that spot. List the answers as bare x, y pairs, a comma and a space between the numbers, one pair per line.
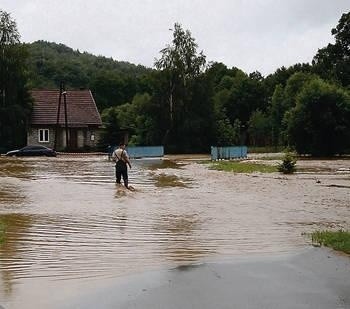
8, 29
223, 129
108, 88
246, 96
224, 132
333, 61
293, 87
319, 124
139, 117
198, 120
181, 66
15, 102
283, 102
215, 72
281, 76
146, 121
111, 133
259, 129
238, 134
277, 112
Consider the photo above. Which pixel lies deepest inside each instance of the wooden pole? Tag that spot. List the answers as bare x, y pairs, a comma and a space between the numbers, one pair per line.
65, 116
58, 116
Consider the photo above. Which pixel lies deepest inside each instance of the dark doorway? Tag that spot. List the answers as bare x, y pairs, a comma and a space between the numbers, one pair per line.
73, 140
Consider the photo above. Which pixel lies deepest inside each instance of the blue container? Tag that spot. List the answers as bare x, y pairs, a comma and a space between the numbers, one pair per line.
228, 152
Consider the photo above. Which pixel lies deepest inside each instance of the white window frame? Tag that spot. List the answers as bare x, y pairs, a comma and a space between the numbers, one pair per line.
44, 135
92, 136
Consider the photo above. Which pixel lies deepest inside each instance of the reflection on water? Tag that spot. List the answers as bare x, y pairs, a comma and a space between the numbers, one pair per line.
66, 219
14, 168
181, 244
16, 228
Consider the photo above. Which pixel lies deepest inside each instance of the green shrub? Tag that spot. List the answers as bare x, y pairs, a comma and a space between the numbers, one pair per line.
288, 164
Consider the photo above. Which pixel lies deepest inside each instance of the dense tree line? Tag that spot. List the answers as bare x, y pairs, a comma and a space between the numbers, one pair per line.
15, 102
186, 104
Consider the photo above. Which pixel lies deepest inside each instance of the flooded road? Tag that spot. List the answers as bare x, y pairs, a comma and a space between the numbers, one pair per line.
66, 221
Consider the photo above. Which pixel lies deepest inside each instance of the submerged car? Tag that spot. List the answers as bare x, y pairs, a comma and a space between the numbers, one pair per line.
33, 151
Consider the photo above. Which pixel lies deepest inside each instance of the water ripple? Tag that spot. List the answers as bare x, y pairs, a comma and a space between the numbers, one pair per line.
65, 218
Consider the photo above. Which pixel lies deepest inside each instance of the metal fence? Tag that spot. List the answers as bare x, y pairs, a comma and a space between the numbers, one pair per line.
141, 151
229, 152
217, 153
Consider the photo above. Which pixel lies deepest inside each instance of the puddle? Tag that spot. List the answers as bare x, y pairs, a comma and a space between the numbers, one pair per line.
67, 221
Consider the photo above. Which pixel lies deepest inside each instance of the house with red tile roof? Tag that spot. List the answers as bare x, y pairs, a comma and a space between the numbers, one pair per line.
81, 119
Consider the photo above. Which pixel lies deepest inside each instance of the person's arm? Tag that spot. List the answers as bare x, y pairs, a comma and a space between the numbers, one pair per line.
126, 158
114, 156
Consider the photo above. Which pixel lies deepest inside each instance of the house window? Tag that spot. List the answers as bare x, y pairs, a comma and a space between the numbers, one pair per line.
43, 135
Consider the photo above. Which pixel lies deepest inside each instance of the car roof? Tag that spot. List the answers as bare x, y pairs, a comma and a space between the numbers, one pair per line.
35, 147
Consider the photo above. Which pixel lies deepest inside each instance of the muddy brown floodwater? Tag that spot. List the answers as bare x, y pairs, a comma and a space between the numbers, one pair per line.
66, 222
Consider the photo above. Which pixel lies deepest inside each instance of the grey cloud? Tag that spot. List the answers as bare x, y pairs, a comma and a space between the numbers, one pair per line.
252, 35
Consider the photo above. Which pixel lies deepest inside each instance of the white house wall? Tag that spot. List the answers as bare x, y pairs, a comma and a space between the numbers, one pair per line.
84, 138
33, 137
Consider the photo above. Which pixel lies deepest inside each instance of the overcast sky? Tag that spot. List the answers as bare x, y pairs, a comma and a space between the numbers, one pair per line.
252, 35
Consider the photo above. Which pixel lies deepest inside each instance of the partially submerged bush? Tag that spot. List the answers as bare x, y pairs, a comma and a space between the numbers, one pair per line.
288, 164
338, 240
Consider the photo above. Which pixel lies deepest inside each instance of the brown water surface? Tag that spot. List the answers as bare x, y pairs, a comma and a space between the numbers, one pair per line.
67, 221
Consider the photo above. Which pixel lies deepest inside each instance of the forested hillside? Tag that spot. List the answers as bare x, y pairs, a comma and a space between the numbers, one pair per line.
113, 82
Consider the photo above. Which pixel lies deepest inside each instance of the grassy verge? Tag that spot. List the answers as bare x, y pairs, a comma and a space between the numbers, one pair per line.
242, 167
339, 241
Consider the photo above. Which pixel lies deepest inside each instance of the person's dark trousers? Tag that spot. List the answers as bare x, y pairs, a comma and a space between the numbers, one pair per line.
119, 173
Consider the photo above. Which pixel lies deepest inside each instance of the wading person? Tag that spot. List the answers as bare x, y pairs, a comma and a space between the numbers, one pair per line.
121, 158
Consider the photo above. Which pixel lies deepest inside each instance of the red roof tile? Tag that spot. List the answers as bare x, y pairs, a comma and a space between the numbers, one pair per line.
81, 108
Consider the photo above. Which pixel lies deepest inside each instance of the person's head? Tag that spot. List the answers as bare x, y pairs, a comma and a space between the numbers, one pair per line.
122, 145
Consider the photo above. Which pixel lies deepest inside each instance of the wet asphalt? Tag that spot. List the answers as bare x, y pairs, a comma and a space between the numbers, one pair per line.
314, 278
